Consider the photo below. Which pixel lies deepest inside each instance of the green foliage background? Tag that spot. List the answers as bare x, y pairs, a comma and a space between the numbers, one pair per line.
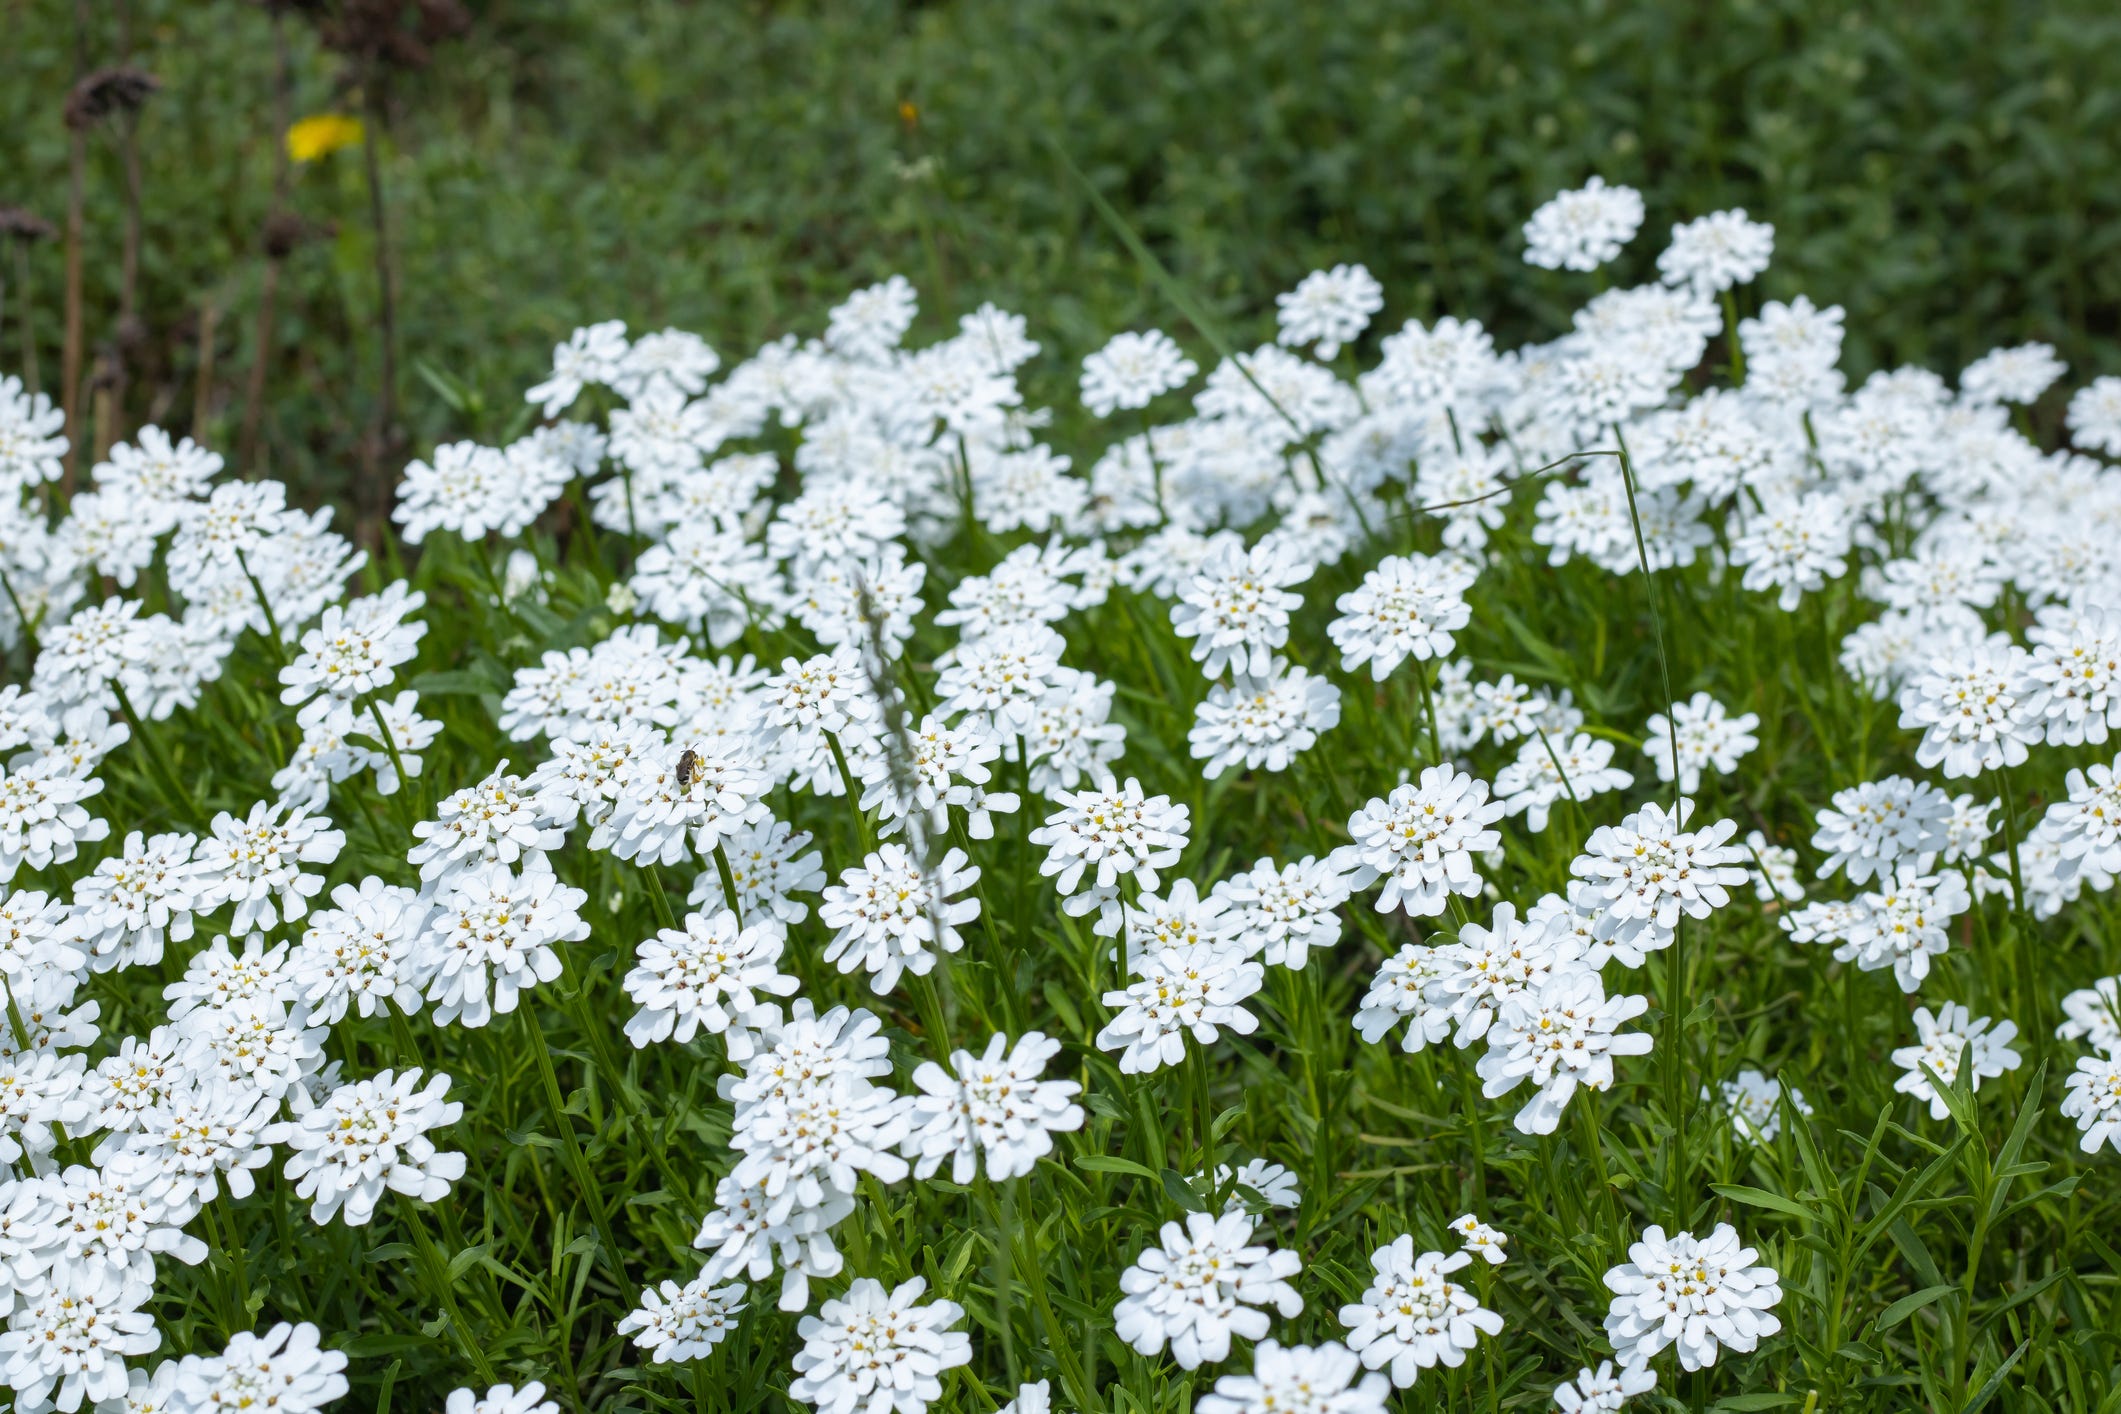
1945, 171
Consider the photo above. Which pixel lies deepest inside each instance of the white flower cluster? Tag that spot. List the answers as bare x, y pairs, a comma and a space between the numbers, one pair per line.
667, 733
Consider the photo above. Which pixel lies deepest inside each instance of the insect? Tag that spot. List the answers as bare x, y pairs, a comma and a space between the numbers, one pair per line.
687, 764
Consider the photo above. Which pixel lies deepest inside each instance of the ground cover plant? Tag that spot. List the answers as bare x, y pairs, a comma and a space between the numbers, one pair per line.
1462, 877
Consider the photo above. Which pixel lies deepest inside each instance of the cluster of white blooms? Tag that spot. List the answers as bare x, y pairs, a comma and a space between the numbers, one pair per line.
1946, 1044
1701, 1295
1984, 569
1755, 1102
1530, 988
1206, 1282
1414, 1317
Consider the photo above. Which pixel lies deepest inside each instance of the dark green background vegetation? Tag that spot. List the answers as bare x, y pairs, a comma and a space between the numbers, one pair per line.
1947, 171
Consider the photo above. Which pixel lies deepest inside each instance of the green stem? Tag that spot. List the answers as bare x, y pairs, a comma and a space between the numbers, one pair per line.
570, 1146
730, 896
445, 1291
272, 624
166, 776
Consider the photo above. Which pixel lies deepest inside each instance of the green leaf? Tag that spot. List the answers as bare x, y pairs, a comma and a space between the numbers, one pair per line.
1180, 1192
1907, 1306
1112, 1163
1995, 1381
1761, 1198
1743, 1403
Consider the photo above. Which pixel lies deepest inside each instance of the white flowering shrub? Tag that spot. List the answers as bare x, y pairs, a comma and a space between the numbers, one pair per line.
1569, 875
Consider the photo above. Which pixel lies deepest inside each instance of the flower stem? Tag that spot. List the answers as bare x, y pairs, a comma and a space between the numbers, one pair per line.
570, 1146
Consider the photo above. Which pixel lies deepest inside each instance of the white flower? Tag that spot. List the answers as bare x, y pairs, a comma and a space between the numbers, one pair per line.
1328, 308
1943, 1043
1119, 831
1602, 1391
1283, 913
1132, 371
1549, 769
1421, 840
501, 1399
1003, 675
750, 1229
368, 1136
1794, 544
767, 862
1236, 608
1700, 1294
1582, 229
284, 1370
1203, 1285
993, 1105
1405, 989
1905, 923
497, 821
808, 1121
680, 795
1071, 735
42, 820
592, 355
1708, 738
1273, 1185
1410, 606
353, 650
1559, 1033
1773, 871
1876, 825
1642, 875
1485, 967
363, 951
112, 1216
1714, 252
711, 973
866, 326
878, 1352
1031, 1399
255, 1044
70, 1334
2014, 375
256, 864
1413, 1315
1974, 706
32, 437
147, 1393
1262, 721
2076, 669
894, 914
2095, 416
1755, 1103
682, 360
846, 522
920, 774
216, 977
1300, 1379
2094, 1101
1176, 993
2093, 1016
2085, 828
492, 937
38, 1089
683, 1322
228, 530
1481, 1239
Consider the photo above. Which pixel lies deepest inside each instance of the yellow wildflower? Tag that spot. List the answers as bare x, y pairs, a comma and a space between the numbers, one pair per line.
322, 134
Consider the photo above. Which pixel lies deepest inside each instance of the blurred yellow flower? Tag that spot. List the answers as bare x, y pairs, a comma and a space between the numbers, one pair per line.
322, 134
